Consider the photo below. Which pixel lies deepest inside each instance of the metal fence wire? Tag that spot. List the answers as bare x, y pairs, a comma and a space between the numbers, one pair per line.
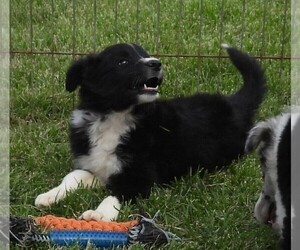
92, 25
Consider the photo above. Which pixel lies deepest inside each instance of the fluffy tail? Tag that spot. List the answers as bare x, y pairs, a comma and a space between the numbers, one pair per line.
247, 100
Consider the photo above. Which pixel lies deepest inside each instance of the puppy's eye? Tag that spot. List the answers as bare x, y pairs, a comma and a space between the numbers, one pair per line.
123, 62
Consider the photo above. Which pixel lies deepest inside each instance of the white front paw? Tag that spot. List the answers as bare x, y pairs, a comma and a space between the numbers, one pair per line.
49, 198
108, 210
93, 215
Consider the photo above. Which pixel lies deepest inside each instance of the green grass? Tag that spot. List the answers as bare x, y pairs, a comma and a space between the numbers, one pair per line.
213, 212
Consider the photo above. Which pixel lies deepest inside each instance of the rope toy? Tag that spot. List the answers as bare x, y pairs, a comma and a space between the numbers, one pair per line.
65, 232
61, 223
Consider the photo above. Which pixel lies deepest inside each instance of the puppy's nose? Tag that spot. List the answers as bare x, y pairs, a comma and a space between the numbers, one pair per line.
153, 63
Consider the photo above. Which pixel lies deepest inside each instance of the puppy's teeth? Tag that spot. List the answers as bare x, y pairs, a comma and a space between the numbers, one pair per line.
150, 88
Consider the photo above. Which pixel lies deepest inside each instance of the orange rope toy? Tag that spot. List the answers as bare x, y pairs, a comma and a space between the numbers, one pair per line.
61, 223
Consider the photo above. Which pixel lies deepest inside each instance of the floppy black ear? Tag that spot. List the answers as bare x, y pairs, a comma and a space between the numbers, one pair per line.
74, 75
260, 135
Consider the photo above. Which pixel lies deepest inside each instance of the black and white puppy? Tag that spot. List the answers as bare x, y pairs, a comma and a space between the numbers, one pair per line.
125, 137
272, 139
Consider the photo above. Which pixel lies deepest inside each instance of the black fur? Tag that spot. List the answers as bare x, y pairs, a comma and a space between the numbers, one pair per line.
284, 181
170, 137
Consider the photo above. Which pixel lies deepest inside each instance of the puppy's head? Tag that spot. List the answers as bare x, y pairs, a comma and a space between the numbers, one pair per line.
261, 138
120, 76
271, 139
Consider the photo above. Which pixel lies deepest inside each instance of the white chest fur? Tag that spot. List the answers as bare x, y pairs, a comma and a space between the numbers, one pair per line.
104, 136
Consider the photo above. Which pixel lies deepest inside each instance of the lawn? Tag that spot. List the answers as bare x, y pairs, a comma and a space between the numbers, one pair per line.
213, 212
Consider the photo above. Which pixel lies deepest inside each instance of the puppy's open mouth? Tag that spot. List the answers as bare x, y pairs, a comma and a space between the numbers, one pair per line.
272, 214
150, 87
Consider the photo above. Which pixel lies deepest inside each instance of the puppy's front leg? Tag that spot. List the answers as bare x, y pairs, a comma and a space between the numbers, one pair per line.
69, 184
108, 210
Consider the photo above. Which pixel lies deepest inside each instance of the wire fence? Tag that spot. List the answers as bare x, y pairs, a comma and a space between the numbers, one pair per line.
195, 30
282, 31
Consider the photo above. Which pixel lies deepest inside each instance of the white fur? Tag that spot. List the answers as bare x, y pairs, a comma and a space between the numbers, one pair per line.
261, 210
80, 117
104, 135
70, 183
108, 210
144, 60
225, 46
147, 98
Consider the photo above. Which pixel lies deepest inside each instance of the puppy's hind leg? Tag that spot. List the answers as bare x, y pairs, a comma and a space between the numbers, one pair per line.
70, 183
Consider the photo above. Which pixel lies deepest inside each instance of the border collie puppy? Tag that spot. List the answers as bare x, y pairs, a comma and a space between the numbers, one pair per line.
272, 139
125, 137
